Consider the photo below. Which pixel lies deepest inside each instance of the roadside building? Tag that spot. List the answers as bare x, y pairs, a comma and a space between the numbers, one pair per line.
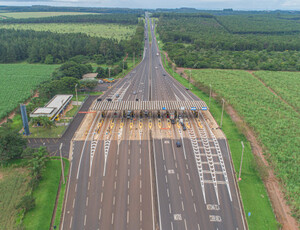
54, 108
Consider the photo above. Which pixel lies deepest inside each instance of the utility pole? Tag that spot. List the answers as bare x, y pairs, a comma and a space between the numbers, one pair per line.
209, 95
241, 161
190, 80
222, 113
62, 165
123, 68
76, 94
133, 58
109, 72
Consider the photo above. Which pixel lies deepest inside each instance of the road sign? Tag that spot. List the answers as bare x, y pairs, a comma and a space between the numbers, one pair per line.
204, 108
181, 108
163, 108
193, 108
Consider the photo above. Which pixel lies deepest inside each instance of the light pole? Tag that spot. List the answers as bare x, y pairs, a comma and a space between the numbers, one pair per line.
76, 94
209, 94
62, 165
241, 160
222, 113
190, 80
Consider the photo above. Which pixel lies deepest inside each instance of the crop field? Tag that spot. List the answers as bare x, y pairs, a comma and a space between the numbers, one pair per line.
13, 186
38, 14
276, 123
96, 30
285, 84
18, 82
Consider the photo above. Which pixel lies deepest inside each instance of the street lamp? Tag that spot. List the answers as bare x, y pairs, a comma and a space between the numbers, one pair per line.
222, 113
62, 165
240, 172
76, 94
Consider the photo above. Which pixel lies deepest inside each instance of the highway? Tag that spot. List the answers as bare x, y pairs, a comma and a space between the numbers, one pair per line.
129, 174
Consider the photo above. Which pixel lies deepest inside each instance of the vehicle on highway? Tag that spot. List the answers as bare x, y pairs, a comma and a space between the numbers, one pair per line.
109, 99
117, 95
178, 144
187, 88
164, 74
173, 121
156, 67
100, 81
134, 92
183, 128
157, 54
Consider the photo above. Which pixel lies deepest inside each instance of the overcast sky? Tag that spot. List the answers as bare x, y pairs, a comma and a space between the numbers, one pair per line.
199, 4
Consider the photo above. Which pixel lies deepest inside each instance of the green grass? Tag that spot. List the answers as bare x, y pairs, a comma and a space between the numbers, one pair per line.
72, 111
13, 186
18, 82
45, 196
81, 97
285, 84
39, 14
95, 30
61, 195
41, 132
253, 192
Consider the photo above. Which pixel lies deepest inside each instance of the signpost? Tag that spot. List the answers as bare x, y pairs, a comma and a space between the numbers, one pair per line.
163, 108
204, 108
193, 108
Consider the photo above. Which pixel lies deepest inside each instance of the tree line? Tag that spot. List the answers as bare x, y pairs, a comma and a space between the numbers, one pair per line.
128, 19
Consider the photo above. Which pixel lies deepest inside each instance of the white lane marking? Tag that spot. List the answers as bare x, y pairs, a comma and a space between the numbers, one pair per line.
198, 227
140, 172
127, 216
89, 185
168, 192
101, 196
73, 203
170, 210
112, 218
102, 183
166, 178
84, 220
128, 172
114, 200
182, 205
185, 224
128, 161
115, 185
100, 211
128, 201
76, 187
141, 215
188, 175
71, 220
192, 192
179, 189
177, 176
140, 198
128, 184
195, 208
140, 184
172, 227
87, 201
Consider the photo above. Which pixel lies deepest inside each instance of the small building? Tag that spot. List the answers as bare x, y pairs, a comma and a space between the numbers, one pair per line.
90, 76
54, 108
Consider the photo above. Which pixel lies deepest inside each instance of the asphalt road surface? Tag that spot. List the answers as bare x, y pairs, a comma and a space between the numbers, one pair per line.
129, 174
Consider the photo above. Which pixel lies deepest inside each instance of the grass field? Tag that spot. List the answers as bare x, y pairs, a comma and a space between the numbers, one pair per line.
96, 30
18, 82
285, 84
13, 186
38, 14
45, 195
276, 124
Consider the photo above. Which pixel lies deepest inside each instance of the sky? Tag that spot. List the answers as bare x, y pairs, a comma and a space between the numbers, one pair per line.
152, 4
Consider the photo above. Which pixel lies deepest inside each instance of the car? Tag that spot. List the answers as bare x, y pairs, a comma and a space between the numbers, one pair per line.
156, 67
109, 99
99, 99
164, 74
134, 92
178, 144
187, 88
117, 95
173, 121
183, 128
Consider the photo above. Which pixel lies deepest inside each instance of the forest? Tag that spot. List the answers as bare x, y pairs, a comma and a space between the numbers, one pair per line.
202, 41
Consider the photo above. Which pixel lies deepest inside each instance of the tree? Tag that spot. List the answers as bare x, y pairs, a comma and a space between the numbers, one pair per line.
11, 143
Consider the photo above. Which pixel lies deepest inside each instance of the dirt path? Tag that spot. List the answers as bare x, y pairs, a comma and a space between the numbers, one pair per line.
272, 91
281, 210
